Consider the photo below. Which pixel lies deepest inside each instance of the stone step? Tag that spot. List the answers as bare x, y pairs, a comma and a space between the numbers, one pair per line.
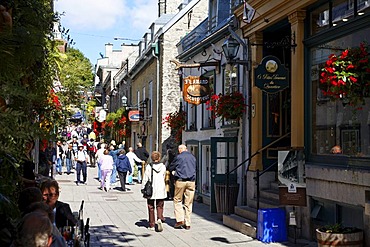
240, 224
265, 203
270, 194
246, 212
275, 186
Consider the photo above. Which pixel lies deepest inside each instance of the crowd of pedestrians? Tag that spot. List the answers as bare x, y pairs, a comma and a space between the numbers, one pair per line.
172, 177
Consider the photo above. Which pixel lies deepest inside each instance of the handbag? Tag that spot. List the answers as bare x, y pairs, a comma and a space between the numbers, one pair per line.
148, 187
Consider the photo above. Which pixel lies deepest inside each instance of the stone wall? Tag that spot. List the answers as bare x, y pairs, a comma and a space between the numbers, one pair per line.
170, 87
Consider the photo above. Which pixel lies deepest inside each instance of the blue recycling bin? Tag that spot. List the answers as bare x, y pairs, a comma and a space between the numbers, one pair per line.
271, 226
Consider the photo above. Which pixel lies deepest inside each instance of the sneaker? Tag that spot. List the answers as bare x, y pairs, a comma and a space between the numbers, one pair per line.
151, 229
160, 226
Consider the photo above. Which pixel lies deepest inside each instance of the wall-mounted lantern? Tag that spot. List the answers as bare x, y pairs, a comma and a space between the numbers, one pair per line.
230, 48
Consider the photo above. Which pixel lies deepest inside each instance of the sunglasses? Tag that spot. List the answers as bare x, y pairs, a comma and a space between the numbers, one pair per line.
50, 195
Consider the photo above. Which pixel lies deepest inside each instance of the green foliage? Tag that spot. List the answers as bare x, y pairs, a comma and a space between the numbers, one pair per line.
338, 228
26, 73
28, 64
90, 108
76, 77
117, 124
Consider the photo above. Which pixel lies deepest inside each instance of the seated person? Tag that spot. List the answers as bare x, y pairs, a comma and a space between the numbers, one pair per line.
30, 200
63, 212
35, 229
336, 150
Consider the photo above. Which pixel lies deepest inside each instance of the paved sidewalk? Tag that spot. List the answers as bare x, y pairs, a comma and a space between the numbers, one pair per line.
120, 219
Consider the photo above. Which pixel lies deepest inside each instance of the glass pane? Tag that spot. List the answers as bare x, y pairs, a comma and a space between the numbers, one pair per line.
191, 116
221, 166
336, 122
221, 149
320, 19
232, 149
342, 11
232, 164
363, 6
231, 80
208, 119
274, 115
205, 169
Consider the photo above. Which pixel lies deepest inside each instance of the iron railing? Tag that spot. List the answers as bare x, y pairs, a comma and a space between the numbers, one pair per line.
258, 173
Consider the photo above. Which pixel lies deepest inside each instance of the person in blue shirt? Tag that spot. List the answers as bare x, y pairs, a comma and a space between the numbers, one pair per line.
183, 167
114, 153
123, 166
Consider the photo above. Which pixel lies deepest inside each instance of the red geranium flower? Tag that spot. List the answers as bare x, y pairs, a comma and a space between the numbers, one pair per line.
347, 76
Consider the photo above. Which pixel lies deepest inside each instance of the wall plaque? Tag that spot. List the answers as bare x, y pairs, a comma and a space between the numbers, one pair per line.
293, 199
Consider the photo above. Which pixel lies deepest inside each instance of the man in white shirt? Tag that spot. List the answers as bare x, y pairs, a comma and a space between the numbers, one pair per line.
82, 159
132, 158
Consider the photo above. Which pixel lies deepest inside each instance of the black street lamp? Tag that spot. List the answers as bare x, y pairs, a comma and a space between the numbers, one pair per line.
230, 48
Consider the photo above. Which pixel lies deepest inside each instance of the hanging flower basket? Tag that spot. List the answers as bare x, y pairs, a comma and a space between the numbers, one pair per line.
176, 122
230, 106
347, 76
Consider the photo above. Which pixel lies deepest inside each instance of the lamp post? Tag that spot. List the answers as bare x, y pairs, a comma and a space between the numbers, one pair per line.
231, 48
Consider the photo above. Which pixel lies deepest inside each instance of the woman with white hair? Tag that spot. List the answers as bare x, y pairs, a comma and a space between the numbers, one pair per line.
106, 166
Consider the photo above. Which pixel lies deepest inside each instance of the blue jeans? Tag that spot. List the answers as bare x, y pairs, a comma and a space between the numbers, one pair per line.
68, 165
99, 172
81, 166
113, 177
59, 165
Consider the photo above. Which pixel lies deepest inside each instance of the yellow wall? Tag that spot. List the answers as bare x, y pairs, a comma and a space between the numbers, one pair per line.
269, 13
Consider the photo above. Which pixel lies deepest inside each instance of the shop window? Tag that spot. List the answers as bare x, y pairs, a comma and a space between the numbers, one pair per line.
150, 99
333, 13
206, 169
191, 113
334, 122
231, 80
208, 117
212, 18
230, 84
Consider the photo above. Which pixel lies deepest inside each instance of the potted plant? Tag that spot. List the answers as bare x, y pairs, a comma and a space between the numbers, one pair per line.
336, 234
347, 76
229, 106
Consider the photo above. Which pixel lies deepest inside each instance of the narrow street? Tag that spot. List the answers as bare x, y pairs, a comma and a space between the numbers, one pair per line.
120, 219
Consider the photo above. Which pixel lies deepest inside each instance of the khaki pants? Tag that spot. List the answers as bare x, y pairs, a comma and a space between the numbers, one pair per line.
184, 189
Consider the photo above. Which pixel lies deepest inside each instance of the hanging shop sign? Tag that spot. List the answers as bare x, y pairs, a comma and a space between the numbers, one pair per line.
271, 76
196, 89
135, 116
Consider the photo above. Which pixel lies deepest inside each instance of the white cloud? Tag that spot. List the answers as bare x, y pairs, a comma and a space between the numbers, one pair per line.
98, 15
144, 13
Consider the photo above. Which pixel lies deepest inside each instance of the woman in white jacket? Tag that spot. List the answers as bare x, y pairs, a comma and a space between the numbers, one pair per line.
159, 190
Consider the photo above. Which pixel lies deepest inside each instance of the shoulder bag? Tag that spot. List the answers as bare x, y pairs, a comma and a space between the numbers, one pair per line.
148, 187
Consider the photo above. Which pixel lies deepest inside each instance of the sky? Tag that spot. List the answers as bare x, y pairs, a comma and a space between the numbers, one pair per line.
94, 23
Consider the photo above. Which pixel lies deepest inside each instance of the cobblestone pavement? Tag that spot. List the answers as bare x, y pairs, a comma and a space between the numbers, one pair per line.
120, 219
